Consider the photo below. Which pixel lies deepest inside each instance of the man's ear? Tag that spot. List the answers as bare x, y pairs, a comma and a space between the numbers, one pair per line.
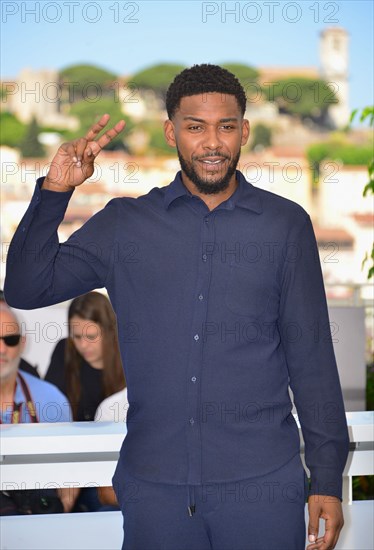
169, 133
245, 131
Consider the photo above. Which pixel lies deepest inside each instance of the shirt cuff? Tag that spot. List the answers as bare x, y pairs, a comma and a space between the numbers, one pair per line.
326, 481
57, 200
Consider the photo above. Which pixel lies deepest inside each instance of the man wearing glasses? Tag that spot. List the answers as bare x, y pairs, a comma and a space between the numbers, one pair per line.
25, 399
23, 365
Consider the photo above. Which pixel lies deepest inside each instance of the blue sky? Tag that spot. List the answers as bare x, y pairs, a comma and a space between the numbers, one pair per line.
125, 37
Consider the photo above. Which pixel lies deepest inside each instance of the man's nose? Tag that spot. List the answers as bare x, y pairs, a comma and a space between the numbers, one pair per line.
212, 139
3, 346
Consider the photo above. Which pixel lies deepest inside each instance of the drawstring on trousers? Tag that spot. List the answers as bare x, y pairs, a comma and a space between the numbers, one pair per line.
191, 500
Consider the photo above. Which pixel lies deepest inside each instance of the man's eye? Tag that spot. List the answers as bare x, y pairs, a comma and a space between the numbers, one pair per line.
194, 127
228, 127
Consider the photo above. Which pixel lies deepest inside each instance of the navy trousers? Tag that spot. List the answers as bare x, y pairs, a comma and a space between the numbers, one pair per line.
261, 513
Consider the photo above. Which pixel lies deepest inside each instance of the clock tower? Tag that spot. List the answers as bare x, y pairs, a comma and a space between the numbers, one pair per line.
334, 69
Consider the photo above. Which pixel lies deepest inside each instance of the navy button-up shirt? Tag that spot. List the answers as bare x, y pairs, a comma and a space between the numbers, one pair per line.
219, 312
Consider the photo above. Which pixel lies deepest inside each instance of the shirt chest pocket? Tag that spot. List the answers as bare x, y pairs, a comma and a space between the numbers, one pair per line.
248, 290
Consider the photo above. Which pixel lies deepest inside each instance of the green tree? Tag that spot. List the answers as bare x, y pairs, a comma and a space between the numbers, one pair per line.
87, 113
302, 97
347, 153
30, 145
157, 144
157, 77
244, 73
12, 130
85, 82
261, 136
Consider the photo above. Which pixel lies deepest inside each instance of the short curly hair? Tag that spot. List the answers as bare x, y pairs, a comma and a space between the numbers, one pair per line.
200, 79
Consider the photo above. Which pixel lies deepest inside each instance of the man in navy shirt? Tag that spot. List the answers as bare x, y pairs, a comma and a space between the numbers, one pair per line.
219, 297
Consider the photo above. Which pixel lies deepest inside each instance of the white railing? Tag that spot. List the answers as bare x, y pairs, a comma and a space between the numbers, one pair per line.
85, 454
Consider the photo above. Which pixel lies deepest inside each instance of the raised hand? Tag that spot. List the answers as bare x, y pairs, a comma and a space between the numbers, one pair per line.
74, 161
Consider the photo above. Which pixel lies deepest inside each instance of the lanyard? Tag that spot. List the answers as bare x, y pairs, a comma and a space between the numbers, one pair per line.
17, 407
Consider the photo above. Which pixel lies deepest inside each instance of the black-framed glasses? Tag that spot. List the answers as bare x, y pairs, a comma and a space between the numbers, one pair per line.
11, 340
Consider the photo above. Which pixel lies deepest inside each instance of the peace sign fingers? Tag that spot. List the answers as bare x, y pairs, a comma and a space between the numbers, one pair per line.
74, 160
95, 144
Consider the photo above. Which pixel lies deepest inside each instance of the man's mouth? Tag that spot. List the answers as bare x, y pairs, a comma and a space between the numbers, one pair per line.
212, 161
206, 161
211, 158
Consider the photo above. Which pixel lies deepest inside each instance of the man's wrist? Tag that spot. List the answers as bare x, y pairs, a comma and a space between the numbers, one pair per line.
317, 497
54, 186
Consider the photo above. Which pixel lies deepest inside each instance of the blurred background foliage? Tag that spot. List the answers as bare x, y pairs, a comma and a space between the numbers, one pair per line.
12, 130
302, 97
87, 91
77, 80
157, 78
261, 137
336, 150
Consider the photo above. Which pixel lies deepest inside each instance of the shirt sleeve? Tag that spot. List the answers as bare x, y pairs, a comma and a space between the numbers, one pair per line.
313, 375
40, 270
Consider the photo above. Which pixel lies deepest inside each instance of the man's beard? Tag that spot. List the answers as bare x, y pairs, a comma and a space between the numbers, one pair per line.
204, 186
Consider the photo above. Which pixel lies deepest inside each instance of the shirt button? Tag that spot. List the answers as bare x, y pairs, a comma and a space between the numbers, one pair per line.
201, 297
23, 229
196, 337
192, 421
206, 220
205, 257
193, 379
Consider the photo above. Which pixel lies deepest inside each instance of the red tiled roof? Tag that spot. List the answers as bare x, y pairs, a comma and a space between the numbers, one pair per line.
332, 234
366, 218
272, 73
287, 151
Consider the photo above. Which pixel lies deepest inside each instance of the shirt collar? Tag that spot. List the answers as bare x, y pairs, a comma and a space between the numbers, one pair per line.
245, 196
175, 190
